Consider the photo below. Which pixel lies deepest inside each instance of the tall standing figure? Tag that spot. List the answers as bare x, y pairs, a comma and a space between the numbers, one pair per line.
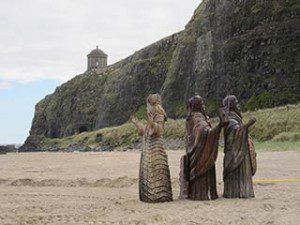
240, 157
198, 172
154, 177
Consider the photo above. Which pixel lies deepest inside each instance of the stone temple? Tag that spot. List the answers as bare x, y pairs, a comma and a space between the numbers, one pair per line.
96, 60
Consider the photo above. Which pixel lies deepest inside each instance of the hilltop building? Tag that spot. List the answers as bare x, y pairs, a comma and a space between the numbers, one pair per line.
97, 59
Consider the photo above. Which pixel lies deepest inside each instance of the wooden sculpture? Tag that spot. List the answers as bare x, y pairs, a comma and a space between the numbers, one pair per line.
154, 176
240, 156
198, 173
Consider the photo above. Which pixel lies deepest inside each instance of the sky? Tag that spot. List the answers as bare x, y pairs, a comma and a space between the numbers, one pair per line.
45, 42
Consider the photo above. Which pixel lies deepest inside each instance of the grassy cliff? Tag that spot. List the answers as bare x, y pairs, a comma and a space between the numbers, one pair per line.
247, 48
275, 126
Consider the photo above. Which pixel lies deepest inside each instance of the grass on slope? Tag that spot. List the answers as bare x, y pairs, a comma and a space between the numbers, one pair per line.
279, 124
277, 146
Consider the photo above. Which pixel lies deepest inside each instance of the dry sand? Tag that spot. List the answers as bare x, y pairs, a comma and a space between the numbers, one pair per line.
101, 188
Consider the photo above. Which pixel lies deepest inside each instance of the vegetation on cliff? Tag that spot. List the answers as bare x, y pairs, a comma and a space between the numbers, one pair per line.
276, 125
248, 48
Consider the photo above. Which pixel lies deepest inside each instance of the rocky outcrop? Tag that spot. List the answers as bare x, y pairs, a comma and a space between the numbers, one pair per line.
94, 100
246, 47
7, 148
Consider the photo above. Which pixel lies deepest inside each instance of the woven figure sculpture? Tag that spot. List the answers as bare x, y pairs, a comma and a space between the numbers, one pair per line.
154, 174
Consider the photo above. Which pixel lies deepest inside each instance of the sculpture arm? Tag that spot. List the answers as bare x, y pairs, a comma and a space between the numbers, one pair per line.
251, 122
196, 143
139, 126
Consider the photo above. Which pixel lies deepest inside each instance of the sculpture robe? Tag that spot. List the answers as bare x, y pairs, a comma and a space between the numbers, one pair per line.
238, 168
202, 154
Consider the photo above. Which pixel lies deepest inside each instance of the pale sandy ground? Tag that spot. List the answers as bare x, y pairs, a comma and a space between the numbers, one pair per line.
101, 188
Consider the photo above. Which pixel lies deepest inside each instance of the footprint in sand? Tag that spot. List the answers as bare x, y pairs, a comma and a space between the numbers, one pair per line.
265, 184
268, 207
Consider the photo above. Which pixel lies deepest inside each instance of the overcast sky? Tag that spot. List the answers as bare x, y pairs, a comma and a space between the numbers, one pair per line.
51, 38
45, 42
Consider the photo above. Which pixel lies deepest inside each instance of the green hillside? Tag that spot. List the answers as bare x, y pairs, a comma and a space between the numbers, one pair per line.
281, 124
247, 48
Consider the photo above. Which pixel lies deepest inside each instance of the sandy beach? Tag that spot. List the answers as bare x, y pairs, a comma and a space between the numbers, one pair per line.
102, 188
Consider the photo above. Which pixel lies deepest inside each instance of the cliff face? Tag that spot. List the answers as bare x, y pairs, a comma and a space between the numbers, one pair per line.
93, 100
245, 47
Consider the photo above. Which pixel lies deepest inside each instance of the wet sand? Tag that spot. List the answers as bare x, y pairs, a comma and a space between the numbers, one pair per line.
102, 188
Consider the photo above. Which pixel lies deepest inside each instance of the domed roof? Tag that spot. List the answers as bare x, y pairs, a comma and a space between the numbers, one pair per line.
97, 53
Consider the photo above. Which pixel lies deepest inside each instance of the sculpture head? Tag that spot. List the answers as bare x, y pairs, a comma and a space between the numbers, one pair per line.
196, 104
154, 99
154, 106
231, 103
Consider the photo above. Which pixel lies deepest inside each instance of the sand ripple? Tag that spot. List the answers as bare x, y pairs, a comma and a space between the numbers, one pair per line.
120, 182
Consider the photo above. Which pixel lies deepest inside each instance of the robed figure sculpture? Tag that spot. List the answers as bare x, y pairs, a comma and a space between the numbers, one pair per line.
154, 175
198, 172
240, 156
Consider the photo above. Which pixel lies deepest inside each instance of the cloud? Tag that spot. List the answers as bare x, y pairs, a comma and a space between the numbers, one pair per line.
5, 85
50, 39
